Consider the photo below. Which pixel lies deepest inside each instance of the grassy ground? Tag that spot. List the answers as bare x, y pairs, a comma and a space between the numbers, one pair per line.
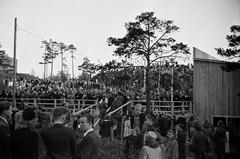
114, 150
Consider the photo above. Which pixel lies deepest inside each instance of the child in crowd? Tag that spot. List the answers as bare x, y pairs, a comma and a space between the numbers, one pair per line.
171, 146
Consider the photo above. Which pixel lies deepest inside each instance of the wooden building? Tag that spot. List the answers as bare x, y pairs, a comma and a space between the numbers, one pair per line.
216, 92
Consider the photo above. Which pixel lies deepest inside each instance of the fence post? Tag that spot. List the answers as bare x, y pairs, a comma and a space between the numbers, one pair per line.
183, 107
172, 108
35, 102
121, 111
191, 109
121, 131
55, 103
78, 105
83, 105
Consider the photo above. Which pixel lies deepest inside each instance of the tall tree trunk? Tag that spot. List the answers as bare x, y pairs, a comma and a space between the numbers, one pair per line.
72, 67
61, 64
148, 85
51, 68
147, 71
44, 67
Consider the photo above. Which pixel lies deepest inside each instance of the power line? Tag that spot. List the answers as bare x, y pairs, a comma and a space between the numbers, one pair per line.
28, 32
41, 39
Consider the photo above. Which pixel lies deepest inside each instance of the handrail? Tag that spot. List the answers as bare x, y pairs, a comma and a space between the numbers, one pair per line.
119, 108
74, 114
80, 111
99, 119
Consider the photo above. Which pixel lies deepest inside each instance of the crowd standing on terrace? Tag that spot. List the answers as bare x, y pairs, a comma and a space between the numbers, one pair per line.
77, 89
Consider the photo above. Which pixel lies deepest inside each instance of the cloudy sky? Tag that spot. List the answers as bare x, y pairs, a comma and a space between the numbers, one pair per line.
88, 23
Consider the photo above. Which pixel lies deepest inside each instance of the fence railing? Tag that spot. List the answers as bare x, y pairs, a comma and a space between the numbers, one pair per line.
91, 108
168, 107
74, 105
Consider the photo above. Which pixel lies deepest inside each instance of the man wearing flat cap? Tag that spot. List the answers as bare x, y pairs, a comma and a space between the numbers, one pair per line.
5, 135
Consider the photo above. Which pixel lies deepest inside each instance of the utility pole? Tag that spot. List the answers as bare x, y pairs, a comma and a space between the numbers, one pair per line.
14, 62
172, 103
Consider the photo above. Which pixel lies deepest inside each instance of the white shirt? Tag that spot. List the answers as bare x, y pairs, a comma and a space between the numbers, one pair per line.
88, 131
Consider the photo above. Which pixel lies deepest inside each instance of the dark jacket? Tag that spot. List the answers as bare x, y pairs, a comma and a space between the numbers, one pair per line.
105, 127
25, 144
200, 145
5, 140
181, 139
220, 139
89, 147
59, 141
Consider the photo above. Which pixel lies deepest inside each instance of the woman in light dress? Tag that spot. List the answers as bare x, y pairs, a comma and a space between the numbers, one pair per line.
152, 149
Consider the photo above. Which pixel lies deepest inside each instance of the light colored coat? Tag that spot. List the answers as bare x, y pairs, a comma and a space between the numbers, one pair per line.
151, 153
127, 128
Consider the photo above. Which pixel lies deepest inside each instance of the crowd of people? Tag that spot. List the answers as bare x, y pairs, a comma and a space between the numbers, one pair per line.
157, 136
29, 133
146, 136
77, 89
20, 138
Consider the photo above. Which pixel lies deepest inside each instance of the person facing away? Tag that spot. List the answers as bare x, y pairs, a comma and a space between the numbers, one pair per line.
151, 149
200, 143
181, 139
25, 140
148, 121
88, 148
220, 138
105, 128
59, 140
5, 134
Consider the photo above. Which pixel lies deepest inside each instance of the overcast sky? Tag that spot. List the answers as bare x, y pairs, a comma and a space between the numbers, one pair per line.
88, 23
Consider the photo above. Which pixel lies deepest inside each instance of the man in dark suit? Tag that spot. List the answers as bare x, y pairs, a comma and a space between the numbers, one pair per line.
5, 134
88, 148
59, 140
25, 140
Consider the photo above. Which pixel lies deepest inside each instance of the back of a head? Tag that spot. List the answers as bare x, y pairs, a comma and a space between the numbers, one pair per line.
150, 127
58, 112
220, 124
206, 124
28, 114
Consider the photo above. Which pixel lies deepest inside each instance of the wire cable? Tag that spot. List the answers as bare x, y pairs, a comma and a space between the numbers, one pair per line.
28, 32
